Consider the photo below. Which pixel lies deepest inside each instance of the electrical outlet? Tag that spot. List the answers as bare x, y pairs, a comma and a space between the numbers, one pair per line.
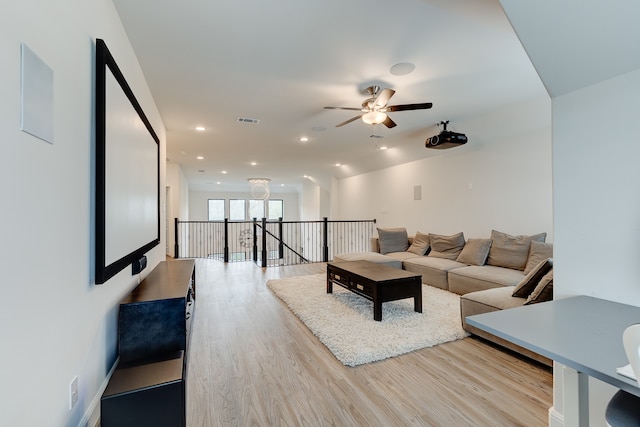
73, 392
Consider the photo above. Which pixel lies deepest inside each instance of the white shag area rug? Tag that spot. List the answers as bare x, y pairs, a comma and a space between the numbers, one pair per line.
343, 321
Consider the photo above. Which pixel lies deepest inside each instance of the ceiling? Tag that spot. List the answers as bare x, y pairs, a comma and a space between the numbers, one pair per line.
210, 62
581, 43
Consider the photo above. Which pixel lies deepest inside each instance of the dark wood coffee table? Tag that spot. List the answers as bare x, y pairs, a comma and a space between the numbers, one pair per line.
376, 282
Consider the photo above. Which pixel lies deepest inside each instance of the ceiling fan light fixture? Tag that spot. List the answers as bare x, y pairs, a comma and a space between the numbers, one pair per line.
374, 117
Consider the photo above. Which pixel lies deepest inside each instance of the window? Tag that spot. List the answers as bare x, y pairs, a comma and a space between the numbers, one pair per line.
275, 209
256, 209
216, 209
237, 210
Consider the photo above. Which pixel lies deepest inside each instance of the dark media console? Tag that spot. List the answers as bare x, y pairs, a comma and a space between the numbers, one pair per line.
148, 387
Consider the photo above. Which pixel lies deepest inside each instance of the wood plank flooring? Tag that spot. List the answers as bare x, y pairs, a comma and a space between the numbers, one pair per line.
253, 363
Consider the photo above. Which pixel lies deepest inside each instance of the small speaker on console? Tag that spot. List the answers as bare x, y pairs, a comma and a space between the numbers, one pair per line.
138, 265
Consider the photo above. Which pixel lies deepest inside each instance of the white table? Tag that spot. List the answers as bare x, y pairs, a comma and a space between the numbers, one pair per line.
583, 333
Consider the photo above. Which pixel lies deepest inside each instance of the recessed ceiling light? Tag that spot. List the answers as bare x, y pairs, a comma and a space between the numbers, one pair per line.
338, 164
281, 185
303, 139
218, 182
383, 147
253, 163
200, 158
223, 172
402, 68
200, 128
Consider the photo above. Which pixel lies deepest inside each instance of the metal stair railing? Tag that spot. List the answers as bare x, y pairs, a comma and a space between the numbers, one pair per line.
271, 243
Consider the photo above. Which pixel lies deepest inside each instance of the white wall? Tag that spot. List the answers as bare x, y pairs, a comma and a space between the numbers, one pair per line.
55, 323
596, 186
325, 204
501, 179
597, 209
315, 202
334, 212
177, 203
310, 201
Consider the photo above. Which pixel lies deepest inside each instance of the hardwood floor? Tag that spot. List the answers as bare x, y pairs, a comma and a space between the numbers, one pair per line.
253, 363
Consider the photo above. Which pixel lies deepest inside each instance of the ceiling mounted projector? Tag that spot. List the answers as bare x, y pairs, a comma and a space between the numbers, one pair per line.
446, 139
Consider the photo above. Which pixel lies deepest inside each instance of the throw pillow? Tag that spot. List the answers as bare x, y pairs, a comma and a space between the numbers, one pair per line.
475, 251
447, 247
544, 291
531, 280
393, 240
511, 251
538, 252
420, 244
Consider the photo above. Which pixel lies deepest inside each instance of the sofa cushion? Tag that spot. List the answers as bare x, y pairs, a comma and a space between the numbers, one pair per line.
511, 251
420, 244
487, 301
475, 251
493, 300
369, 256
476, 278
374, 244
393, 240
538, 252
402, 256
490, 300
433, 270
531, 280
543, 291
447, 247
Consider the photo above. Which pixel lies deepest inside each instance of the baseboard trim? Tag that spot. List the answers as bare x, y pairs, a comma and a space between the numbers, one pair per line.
92, 416
556, 419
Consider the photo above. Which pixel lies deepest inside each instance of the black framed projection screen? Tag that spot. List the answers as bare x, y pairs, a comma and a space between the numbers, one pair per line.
127, 173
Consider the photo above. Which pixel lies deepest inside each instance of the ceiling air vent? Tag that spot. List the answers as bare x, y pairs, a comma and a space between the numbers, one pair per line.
248, 120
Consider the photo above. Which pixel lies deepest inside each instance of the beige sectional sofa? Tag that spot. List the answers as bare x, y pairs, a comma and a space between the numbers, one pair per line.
487, 273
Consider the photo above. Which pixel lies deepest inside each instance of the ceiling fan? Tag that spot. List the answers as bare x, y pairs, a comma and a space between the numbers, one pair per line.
375, 109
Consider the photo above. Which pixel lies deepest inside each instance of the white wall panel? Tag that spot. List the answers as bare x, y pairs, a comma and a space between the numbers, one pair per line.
55, 323
501, 179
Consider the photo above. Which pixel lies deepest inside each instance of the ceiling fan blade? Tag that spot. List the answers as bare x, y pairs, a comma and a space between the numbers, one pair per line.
383, 98
389, 123
353, 119
406, 107
343, 108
